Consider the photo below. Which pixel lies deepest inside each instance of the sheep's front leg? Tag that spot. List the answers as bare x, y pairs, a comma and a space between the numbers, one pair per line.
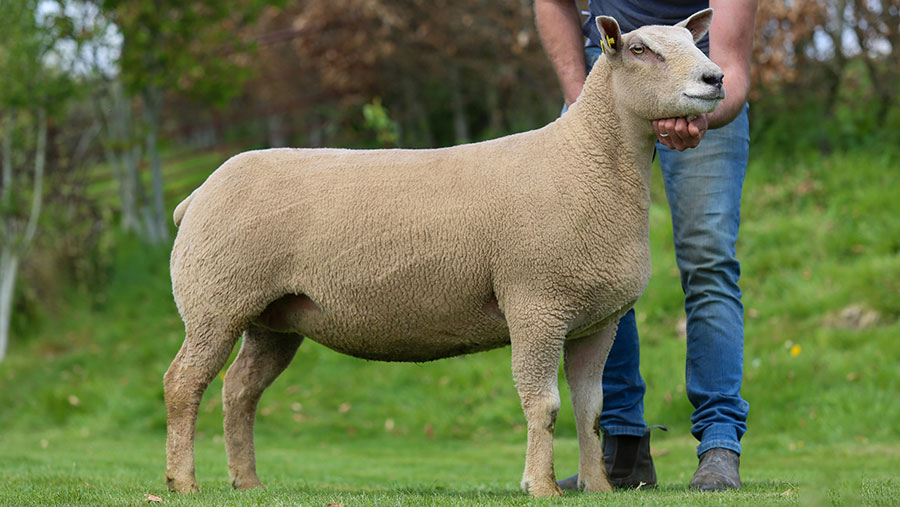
535, 364
584, 360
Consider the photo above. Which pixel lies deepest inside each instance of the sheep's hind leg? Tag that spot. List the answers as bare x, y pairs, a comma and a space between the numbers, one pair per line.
202, 355
584, 360
536, 349
263, 356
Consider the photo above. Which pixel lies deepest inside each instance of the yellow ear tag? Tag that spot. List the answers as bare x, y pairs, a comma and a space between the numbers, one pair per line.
610, 41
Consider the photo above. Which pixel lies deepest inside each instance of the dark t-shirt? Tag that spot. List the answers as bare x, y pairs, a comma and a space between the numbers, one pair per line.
633, 14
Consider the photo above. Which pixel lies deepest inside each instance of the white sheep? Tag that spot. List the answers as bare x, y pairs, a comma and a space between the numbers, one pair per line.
538, 240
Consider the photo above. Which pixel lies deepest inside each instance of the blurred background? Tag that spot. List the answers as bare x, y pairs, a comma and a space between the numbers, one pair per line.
112, 111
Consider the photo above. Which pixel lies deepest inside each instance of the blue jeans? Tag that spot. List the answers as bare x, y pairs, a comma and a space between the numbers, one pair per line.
703, 187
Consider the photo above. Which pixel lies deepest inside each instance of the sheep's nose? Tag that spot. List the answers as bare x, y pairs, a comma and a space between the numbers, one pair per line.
713, 79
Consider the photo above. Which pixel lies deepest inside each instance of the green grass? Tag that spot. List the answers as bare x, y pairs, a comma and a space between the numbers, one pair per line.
78, 468
83, 418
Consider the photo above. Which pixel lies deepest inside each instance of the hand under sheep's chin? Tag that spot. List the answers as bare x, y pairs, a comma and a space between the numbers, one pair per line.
680, 133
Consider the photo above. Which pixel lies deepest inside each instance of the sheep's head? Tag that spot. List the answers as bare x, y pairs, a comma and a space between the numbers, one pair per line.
658, 71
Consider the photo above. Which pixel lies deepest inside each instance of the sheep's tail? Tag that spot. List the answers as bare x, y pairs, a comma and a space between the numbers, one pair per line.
181, 209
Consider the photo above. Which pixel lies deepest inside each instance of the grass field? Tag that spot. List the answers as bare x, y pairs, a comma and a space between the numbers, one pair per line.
83, 420
77, 468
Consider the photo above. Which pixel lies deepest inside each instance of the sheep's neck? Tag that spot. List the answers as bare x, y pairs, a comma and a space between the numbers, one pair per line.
604, 135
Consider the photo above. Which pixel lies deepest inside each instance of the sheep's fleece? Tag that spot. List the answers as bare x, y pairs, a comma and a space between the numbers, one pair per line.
538, 240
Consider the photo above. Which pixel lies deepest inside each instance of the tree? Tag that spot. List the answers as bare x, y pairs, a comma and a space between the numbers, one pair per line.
25, 103
448, 71
824, 74
168, 46
877, 29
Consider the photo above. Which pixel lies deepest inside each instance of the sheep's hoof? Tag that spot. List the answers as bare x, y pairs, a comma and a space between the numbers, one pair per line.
541, 489
188, 485
247, 483
597, 485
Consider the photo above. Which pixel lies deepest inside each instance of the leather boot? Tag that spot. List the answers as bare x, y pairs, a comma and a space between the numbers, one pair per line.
719, 469
628, 462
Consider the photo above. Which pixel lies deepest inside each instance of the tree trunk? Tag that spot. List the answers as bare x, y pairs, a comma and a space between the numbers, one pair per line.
836, 65
37, 197
884, 88
460, 124
8, 120
495, 119
315, 130
275, 130
153, 99
418, 132
120, 154
9, 265
14, 248
8, 262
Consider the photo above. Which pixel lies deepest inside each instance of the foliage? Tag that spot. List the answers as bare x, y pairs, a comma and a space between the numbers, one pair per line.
824, 75
182, 46
109, 350
448, 71
167, 47
39, 86
379, 122
24, 51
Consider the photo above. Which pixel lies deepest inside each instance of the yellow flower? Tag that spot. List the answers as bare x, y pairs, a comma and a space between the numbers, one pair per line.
795, 350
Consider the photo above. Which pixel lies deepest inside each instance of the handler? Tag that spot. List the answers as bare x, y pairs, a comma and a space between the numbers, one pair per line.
703, 187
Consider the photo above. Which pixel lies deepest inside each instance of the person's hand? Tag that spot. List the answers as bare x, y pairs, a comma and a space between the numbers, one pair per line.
679, 133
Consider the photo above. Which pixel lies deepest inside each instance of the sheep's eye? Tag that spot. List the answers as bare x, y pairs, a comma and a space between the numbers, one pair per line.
637, 48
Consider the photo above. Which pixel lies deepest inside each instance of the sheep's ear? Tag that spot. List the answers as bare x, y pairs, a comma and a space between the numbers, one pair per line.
610, 35
698, 23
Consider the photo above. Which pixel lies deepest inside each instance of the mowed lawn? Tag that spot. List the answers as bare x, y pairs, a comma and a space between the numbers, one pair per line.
81, 469
83, 421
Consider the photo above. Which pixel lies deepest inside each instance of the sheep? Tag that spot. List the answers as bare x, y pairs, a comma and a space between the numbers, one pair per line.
537, 240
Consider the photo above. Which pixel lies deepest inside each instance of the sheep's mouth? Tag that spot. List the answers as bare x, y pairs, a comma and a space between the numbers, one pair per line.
716, 95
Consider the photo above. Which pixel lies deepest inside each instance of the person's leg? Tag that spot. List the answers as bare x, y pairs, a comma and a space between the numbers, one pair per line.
626, 438
623, 386
703, 187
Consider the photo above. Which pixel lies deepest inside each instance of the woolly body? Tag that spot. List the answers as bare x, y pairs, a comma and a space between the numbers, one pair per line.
538, 239
404, 254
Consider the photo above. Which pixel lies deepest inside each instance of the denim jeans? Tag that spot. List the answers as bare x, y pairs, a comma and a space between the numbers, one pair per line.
703, 187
